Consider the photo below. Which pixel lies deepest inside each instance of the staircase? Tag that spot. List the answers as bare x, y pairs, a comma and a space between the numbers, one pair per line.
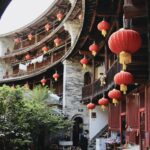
102, 134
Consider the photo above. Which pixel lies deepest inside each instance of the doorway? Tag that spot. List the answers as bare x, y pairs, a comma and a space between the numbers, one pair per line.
77, 130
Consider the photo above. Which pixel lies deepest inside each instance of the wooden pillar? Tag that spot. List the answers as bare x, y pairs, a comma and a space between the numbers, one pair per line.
106, 58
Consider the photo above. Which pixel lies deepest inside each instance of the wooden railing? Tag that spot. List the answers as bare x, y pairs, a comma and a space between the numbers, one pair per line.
14, 61
36, 37
51, 59
43, 39
87, 92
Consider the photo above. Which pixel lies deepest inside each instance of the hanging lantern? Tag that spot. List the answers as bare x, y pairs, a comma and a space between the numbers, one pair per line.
103, 26
57, 41
80, 17
115, 95
27, 57
103, 102
94, 48
30, 36
84, 61
45, 49
47, 27
43, 81
123, 78
60, 16
17, 40
56, 76
91, 106
124, 42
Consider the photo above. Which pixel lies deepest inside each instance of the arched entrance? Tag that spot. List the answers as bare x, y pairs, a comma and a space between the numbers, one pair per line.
87, 78
77, 130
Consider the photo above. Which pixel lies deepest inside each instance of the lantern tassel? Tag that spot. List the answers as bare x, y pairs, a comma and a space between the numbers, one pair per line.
123, 88
115, 101
104, 32
103, 107
43, 84
94, 53
84, 66
56, 79
125, 58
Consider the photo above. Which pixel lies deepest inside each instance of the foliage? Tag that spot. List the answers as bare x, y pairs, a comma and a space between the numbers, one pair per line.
24, 115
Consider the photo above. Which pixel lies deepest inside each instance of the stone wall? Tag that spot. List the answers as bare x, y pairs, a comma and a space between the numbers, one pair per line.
72, 91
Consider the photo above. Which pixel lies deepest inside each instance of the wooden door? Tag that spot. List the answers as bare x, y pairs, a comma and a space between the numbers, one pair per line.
142, 129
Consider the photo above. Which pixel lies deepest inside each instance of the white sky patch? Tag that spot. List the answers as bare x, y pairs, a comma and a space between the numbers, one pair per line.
21, 12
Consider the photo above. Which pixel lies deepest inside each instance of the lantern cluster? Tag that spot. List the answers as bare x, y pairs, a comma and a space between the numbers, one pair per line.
124, 42
115, 95
91, 106
27, 57
60, 16
47, 27
84, 61
17, 40
103, 26
45, 49
30, 36
103, 102
94, 48
123, 78
58, 41
55, 77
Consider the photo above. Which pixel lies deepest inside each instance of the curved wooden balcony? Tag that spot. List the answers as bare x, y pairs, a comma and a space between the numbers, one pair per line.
38, 51
41, 37
39, 67
95, 89
56, 57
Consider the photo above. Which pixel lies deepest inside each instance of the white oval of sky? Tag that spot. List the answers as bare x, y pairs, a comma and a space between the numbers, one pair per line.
21, 12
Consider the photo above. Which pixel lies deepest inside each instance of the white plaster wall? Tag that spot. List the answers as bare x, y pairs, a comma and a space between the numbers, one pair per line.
73, 27
72, 1
6, 43
134, 147
96, 124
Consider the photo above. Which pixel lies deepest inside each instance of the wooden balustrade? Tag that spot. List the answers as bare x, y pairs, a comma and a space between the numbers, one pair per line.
97, 88
32, 68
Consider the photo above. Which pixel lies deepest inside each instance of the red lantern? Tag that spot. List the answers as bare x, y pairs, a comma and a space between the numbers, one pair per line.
27, 57
103, 102
30, 36
91, 106
84, 61
47, 27
45, 49
17, 40
60, 16
43, 81
123, 79
115, 95
94, 48
80, 17
125, 42
103, 26
57, 41
56, 76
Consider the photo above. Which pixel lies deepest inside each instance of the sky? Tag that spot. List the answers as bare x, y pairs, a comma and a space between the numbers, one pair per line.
21, 12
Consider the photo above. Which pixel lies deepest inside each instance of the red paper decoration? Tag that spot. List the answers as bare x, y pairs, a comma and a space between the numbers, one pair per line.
43, 81
57, 41
94, 48
60, 16
56, 76
115, 95
103, 26
123, 78
91, 106
45, 49
103, 102
84, 61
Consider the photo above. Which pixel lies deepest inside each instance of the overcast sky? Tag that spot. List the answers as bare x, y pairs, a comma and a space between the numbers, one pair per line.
21, 12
